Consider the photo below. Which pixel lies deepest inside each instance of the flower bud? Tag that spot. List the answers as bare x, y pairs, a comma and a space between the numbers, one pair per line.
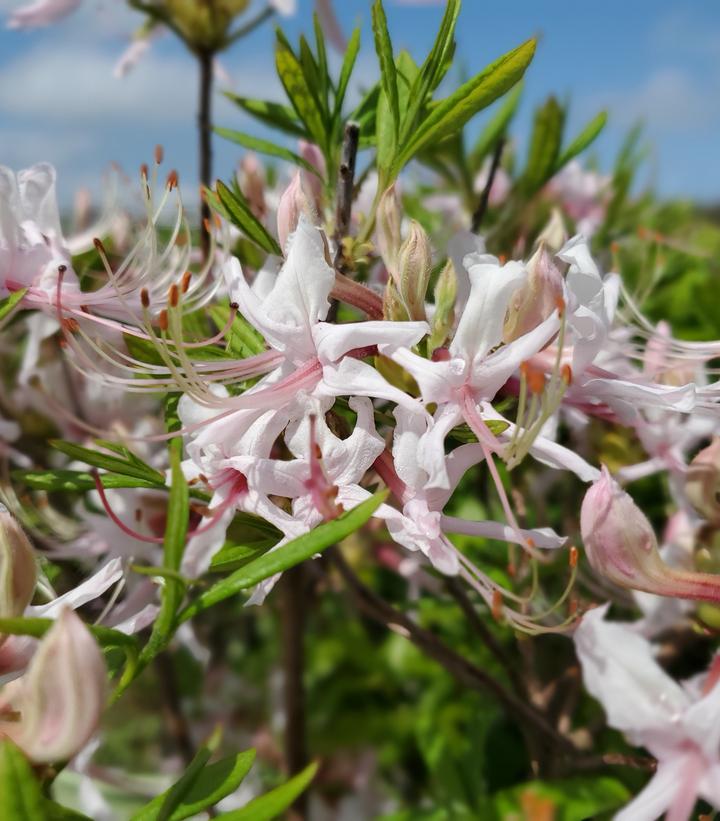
56, 705
702, 482
313, 182
18, 572
445, 295
621, 546
414, 265
536, 298
554, 235
252, 184
293, 202
394, 309
389, 217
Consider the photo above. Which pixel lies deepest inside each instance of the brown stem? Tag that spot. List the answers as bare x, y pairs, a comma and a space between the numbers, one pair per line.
205, 60
344, 199
293, 645
455, 588
464, 671
479, 214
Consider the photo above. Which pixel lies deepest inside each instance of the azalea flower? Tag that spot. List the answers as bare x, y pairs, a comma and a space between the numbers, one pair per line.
679, 724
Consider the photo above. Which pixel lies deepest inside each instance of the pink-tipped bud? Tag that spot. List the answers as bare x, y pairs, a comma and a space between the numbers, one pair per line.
251, 177
293, 202
702, 483
55, 707
536, 299
18, 571
389, 239
313, 182
621, 546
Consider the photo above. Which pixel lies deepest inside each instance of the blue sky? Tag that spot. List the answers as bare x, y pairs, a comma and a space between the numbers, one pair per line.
654, 60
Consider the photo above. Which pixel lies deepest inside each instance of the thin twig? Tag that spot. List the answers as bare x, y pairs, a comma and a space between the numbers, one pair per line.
293, 644
456, 590
460, 668
205, 63
346, 179
479, 214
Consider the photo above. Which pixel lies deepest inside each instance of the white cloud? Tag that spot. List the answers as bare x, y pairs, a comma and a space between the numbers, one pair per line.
682, 33
670, 100
71, 84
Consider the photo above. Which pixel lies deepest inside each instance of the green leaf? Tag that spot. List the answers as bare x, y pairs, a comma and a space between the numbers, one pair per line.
173, 548
450, 115
56, 812
322, 63
237, 210
242, 339
21, 798
290, 554
434, 67
7, 304
273, 114
211, 785
351, 53
265, 147
584, 139
462, 433
388, 72
272, 804
496, 127
76, 481
301, 95
126, 467
544, 145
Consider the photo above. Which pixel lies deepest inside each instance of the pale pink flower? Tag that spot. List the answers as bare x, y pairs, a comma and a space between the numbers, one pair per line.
678, 724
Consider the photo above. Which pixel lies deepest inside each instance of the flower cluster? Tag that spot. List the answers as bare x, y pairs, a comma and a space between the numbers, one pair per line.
446, 371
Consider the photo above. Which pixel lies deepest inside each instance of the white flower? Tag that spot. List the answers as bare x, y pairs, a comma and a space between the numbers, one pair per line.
679, 725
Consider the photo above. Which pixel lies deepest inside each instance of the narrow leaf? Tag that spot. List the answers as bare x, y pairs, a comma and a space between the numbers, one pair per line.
265, 147
76, 481
271, 805
351, 53
236, 209
298, 91
544, 145
434, 67
388, 72
21, 798
451, 114
242, 339
104, 461
7, 304
290, 554
275, 115
212, 785
583, 140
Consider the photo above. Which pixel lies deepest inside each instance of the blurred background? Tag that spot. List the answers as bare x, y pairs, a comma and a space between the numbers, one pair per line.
656, 62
